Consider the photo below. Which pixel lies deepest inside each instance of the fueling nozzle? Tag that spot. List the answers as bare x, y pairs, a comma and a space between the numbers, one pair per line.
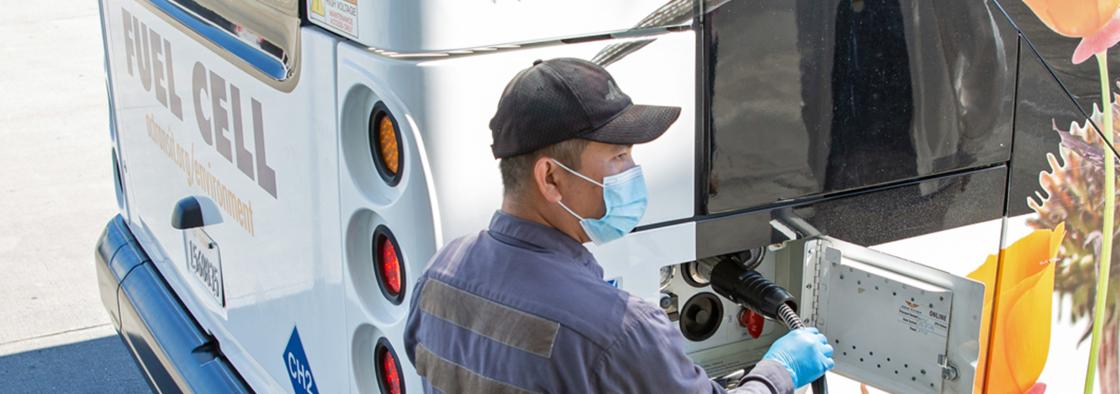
753, 291
750, 289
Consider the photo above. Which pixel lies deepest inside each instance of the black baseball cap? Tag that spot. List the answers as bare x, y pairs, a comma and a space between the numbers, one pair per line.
560, 99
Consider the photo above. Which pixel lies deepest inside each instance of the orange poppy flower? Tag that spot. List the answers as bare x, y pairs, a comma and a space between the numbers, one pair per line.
1020, 334
1074, 18
1095, 22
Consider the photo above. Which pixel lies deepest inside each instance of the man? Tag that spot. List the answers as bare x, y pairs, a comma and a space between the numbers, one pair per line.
522, 307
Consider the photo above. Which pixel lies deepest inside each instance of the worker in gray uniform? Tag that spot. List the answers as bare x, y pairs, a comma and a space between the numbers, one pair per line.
522, 307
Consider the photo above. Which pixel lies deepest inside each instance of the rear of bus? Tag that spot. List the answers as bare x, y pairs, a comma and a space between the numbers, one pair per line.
285, 170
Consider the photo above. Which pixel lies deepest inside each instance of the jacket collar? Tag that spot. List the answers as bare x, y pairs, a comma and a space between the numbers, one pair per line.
539, 235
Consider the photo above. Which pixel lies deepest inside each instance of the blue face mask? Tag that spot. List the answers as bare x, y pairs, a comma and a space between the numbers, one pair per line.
625, 197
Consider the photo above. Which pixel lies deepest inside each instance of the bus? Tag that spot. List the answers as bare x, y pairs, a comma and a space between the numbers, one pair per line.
924, 176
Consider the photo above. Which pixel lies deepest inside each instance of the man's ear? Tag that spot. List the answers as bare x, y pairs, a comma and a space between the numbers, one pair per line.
545, 179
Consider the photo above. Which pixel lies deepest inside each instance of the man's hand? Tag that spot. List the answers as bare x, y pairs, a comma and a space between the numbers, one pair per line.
805, 353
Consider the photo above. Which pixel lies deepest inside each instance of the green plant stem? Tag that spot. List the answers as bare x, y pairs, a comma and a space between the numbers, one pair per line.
1105, 262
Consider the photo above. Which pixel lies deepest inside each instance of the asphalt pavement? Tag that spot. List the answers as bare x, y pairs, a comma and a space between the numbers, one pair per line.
56, 194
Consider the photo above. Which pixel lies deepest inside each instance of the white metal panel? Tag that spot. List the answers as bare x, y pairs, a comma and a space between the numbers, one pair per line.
281, 266
860, 297
367, 201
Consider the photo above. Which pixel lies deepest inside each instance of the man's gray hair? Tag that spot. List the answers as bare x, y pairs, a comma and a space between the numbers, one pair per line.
517, 171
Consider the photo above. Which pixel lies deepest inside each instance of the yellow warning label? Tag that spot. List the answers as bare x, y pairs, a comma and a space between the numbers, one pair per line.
317, 7
342, 15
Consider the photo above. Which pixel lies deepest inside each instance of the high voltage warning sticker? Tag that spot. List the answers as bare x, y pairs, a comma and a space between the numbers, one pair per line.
339, 14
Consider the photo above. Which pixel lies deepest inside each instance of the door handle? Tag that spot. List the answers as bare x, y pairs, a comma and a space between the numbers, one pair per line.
195, 211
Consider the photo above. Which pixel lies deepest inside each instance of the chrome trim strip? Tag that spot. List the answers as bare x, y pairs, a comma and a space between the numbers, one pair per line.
270, 58
636, 34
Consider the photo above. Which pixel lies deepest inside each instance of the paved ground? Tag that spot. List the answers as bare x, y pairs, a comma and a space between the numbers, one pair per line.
56, 194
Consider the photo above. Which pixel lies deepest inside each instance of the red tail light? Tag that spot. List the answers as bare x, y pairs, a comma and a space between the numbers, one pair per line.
388, 369
388, 264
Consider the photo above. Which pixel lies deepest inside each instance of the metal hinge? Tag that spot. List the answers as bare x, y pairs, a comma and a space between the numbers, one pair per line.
948, 370
815, 254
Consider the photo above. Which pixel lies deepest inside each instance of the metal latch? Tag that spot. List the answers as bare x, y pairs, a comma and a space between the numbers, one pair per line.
948, 370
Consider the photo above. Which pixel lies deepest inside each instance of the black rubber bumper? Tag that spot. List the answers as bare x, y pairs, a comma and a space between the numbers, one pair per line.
172, 350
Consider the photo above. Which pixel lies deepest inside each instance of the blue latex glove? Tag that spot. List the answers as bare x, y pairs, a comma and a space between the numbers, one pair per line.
805, 353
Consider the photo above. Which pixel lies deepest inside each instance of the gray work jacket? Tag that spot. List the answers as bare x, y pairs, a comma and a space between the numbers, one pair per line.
523, 308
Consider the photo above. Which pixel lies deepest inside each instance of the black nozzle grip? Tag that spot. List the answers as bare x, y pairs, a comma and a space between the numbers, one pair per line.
750, 289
